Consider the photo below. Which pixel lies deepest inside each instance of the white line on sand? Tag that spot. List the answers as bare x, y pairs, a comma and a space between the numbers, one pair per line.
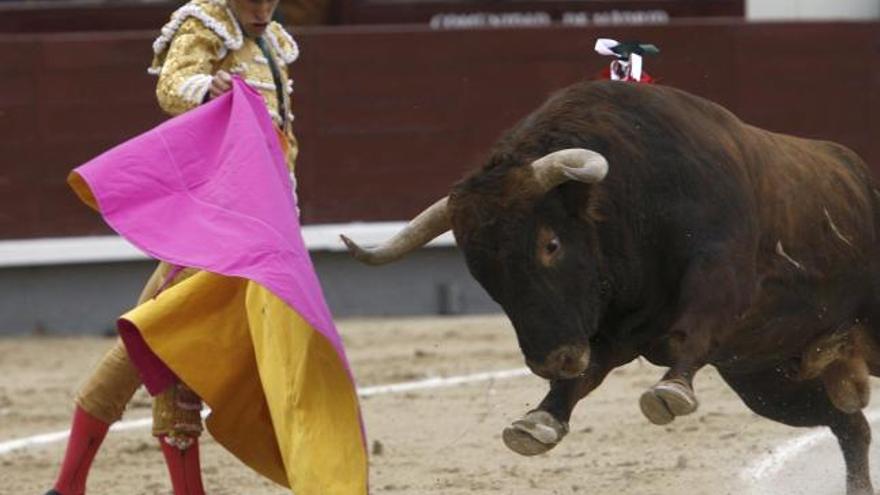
771, 463
393, 388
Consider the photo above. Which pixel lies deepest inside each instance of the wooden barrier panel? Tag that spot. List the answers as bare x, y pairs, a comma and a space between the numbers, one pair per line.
440, 13
410, 113
389, 119
48, 16
70, 16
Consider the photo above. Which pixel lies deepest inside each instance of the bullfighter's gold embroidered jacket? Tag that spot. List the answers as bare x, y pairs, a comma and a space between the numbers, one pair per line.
204, 37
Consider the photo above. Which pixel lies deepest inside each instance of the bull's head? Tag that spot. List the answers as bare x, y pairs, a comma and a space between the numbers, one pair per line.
531, 247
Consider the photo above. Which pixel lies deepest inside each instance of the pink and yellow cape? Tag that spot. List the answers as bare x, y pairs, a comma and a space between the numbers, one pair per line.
250, 333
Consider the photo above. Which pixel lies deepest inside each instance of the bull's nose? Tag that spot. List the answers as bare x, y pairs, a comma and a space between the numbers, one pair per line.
565, 362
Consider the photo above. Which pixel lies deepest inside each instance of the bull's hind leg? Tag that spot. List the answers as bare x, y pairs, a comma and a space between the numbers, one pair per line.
780, 397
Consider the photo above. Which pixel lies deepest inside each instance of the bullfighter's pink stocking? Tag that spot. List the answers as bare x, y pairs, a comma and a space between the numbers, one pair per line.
86, 435
183, 466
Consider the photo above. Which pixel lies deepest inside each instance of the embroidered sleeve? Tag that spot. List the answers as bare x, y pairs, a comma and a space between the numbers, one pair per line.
186, 73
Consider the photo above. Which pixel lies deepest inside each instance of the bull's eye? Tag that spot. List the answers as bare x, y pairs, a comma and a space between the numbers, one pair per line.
548, 248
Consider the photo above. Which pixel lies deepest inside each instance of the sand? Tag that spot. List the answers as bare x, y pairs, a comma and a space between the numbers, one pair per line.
435, 441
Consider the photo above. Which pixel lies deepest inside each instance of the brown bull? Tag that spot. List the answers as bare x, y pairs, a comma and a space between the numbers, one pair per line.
623, 220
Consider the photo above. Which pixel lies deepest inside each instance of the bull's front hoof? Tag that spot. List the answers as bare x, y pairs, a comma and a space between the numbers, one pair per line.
666, 400
536, 433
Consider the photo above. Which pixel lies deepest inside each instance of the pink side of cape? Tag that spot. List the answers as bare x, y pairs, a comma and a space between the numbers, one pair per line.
210, 189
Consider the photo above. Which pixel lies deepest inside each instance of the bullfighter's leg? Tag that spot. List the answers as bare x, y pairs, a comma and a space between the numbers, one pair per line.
543, 428
715, 291
177, 424
99, 403
778, 394
102, 399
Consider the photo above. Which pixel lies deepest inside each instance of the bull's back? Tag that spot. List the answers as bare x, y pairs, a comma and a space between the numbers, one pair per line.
813, 198
815, 203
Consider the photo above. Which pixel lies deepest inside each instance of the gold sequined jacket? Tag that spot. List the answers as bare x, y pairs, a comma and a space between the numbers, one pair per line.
204, 37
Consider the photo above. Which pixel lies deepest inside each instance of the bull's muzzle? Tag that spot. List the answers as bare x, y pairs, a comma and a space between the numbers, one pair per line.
565, 362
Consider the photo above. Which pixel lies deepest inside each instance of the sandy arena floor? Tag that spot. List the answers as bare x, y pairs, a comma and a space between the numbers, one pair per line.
434, 441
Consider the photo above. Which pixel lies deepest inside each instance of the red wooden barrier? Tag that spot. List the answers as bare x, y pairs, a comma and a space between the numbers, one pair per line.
389, 118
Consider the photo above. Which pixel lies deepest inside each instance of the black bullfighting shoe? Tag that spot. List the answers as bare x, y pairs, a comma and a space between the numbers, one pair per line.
53, 492
537, 432
666, 400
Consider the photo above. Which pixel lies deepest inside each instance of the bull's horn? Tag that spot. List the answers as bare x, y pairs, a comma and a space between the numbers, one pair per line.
422, 229
572, 164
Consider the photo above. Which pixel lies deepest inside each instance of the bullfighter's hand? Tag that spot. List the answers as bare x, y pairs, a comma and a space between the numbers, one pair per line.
221, 83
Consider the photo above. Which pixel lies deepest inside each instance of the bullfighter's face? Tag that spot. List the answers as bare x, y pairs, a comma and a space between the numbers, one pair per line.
537, 259
254, 16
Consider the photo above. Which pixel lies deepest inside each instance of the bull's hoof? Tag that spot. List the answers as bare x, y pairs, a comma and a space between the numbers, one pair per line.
666, 400
536, 433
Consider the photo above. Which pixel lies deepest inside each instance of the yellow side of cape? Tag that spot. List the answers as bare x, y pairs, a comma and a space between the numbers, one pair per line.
280, 399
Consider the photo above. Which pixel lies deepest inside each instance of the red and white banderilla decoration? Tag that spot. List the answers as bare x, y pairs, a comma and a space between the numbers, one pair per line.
628, 59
